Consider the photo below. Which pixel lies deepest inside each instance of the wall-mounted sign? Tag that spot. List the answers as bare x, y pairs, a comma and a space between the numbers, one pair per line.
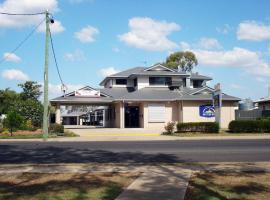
207, 111
87, 93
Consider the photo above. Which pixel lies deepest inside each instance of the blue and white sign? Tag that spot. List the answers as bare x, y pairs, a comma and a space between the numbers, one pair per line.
207, 111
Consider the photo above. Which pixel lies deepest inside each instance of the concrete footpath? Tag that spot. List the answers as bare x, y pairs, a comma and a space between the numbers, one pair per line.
156, 182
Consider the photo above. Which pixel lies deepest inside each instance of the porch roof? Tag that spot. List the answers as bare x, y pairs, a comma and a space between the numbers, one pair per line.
81, 100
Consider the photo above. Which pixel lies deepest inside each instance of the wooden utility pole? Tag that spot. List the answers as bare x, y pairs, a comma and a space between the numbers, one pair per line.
46, 82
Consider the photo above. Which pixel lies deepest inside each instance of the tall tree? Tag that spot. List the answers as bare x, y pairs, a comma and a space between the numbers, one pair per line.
8, 99
182, 60
31, 90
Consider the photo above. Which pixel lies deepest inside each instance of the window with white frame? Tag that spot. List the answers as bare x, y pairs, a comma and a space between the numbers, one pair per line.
156, 113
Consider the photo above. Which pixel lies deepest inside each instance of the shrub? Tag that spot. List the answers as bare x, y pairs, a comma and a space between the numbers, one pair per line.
169, 128
203, 127
57, 128
250, 126
13, 121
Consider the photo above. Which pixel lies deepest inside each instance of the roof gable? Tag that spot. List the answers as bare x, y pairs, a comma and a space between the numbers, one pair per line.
159, 67
87, 91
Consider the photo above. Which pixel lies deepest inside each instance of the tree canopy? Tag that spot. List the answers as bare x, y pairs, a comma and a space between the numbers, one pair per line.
31, 90
182, 60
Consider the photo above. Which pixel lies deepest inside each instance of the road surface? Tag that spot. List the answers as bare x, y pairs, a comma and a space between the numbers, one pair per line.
135, 151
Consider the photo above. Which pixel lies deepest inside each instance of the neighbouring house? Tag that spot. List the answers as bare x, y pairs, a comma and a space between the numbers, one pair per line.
264, 103
147, 97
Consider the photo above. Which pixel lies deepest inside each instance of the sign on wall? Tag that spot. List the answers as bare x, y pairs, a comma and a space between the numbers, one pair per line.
207, 111
87, 93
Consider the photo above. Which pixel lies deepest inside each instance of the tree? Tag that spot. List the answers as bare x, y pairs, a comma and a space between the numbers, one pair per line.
182, 60
13, 121
8, 99
30, 110
31, 90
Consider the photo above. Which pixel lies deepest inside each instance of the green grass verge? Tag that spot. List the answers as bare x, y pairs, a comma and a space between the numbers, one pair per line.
229, 185
38, 186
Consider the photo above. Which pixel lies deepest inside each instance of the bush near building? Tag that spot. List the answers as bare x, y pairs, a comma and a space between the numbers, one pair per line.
169, 128
202, 127
57, 129
250, 126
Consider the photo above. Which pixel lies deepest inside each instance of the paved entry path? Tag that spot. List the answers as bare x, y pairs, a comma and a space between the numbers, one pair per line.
158, 183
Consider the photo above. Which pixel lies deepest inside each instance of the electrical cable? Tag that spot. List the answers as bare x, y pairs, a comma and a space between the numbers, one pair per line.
6, 13
22, 42
55, 60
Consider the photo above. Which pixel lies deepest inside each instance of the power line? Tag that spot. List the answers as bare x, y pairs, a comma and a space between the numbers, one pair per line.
22, 42
55, 60
6, 13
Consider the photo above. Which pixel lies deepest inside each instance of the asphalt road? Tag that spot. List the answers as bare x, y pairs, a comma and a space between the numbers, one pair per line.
135, 152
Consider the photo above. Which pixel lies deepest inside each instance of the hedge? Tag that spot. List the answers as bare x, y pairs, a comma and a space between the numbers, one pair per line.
250, 126
202, 127
57, 128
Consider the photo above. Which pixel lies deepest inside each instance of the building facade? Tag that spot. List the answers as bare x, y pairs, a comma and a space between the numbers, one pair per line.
150, 97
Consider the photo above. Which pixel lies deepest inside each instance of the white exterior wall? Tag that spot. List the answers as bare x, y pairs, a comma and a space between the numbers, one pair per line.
191, 112
143, 81
171, 114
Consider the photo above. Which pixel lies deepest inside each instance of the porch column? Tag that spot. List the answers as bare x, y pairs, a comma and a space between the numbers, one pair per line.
180, 111
57, 114
122, 115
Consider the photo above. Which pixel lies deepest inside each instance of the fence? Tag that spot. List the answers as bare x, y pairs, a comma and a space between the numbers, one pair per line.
251, 114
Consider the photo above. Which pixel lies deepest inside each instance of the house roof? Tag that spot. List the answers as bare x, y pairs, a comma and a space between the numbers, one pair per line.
144, 94
165, 94
149, 72
263, 100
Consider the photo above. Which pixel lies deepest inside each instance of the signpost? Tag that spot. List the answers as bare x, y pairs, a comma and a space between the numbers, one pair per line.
217, 102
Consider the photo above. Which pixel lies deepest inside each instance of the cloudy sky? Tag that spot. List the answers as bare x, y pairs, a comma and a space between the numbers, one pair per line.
94, 38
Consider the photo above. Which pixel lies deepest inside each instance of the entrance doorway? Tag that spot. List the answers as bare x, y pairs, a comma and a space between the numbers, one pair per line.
132, 114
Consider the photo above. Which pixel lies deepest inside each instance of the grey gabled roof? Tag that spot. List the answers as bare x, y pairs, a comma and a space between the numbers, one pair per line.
196, 76
266, 99
142, 71
165, 94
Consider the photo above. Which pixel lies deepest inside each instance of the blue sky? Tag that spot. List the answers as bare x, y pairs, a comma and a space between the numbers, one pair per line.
92, 38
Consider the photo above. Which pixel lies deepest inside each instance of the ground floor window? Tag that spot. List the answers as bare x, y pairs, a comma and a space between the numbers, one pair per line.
156, 113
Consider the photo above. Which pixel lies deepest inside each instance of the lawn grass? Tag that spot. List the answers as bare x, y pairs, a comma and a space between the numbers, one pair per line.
229, 185
66, 186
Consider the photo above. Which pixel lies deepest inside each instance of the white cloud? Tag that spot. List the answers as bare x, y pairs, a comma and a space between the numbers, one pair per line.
24, 6
248, 60
87, 34
184, 46
209, 43
108, 71
77, 55
56, 27
11, 57
15, 74
254, 31
146, 33
225, 29
55, 89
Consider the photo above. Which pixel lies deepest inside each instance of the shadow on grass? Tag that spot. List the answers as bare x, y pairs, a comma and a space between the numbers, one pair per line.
75, 187
203, 186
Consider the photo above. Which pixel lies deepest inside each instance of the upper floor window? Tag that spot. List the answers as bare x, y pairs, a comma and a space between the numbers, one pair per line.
135, 82
121, 81
197, 83
160, 80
